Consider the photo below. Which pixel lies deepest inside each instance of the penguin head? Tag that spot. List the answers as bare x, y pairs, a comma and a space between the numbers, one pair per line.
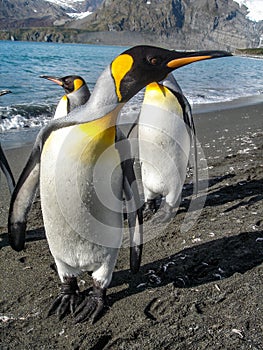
4, 92
70, 83
141, 65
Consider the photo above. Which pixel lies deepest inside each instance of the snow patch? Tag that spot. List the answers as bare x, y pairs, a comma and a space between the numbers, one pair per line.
255, 9
79, 15
70, 5
65, 3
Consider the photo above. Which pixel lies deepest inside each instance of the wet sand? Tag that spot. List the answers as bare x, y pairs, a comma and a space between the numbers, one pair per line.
201, 289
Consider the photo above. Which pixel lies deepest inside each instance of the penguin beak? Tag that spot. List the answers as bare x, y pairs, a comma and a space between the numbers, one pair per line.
184, 58
54, 79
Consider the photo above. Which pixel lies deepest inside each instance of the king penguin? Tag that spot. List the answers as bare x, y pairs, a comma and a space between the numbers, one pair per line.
3, 161
77, 93
165, 134
84, 168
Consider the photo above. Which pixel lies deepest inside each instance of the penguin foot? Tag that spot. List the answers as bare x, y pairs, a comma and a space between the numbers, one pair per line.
149, 209
92, 305
164, 214
68, 299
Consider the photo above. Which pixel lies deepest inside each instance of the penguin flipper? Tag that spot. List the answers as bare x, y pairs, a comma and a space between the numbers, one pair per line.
135, 218
133, 130
171, 83
22, 199
189, 120
7, 171
133, 202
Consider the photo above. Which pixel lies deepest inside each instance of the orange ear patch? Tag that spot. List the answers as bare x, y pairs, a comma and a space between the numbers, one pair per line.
119, 68
77, 84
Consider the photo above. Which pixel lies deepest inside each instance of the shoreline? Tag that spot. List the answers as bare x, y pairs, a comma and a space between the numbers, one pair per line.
244, 101
132, 39
16, 138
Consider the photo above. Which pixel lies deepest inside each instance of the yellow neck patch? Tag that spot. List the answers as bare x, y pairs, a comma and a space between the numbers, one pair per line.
77, 84
155, 86
119, 68
161, 97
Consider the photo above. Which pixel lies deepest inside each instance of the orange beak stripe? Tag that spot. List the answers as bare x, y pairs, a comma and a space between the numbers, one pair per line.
179, 62
56, 81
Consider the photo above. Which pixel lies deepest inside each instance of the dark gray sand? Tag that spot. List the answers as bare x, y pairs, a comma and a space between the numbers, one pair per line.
201, 289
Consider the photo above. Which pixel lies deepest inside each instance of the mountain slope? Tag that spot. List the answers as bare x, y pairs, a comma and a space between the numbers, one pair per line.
189, 23
41, 13
77, 7
184, 24
17, 14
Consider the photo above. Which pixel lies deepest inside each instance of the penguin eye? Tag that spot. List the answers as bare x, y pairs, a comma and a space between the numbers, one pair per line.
154, 61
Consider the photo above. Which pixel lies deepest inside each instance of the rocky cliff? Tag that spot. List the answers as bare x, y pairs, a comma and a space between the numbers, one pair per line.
40, 13
183, 24
188, 23
30, 13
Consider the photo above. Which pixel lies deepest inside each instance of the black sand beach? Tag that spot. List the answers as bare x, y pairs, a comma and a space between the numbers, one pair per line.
201, 289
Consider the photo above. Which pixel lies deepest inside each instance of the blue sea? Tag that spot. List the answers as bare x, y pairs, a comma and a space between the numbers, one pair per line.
33, 100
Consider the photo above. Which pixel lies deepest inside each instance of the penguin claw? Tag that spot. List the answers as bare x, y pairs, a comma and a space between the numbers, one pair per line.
64, 304
68, 299
148, 212
151, 206
147, 215
90, 308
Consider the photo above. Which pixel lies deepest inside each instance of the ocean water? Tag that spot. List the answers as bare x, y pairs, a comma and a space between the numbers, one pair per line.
33, 100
